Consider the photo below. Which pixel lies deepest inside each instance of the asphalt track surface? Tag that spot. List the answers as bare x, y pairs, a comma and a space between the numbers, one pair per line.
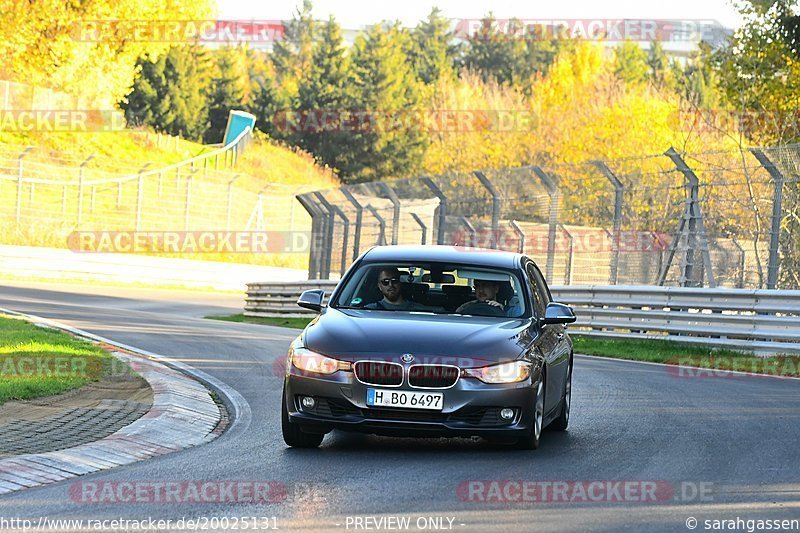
717, 448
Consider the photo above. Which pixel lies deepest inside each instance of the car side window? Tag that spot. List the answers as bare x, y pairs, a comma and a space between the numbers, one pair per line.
537, 288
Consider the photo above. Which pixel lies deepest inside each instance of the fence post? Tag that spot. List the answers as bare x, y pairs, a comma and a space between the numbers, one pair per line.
139, 195
333, 211
442, 208
552, 190
777, 212
81, 178
619, 191
570, 255
496, 201
692, 217
314, 245
395, 211
230, 202
188, 198
328, 248
520, 234
470, 231
119, 194
422, 226
63, 200
381, 224
19, 181
359, 218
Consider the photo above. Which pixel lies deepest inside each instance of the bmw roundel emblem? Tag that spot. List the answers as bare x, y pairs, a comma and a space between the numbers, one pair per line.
406, 358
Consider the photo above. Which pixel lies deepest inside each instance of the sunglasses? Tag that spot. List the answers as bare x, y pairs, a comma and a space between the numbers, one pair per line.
387, 281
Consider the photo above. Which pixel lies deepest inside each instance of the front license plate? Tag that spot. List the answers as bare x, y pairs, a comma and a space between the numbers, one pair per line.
410, 399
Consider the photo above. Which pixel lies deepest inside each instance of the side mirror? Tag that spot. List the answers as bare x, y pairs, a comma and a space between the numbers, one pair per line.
557, 313
311, 299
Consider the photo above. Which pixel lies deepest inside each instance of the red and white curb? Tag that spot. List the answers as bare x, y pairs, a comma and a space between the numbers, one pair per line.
183, 415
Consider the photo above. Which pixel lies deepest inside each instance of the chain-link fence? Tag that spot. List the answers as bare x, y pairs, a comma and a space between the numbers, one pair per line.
44, 200
726, 218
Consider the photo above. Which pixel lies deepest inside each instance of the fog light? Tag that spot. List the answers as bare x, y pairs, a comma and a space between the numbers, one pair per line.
507, 413
308, 402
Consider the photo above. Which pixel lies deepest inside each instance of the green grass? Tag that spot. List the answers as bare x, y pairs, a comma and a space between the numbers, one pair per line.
36, 361
688, 355
287, 322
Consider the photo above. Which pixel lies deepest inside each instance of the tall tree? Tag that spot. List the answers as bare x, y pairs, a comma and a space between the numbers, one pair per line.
55, 44
169, 93
760, 74
432, 53
385, 87
293, 55
496, 54
266, 100
227, 91
630, 62
658, 63
324, 89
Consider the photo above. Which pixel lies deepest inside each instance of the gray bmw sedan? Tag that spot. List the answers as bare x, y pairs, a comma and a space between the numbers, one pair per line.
431, 341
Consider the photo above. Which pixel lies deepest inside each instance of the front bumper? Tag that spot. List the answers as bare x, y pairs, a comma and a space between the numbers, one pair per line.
470, 408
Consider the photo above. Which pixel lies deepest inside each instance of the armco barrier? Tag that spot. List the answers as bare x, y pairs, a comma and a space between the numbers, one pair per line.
765, 321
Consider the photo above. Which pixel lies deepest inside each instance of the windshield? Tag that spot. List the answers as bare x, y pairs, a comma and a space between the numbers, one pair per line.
434, 288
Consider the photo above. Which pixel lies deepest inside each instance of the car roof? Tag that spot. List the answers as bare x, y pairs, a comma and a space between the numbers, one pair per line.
444, 254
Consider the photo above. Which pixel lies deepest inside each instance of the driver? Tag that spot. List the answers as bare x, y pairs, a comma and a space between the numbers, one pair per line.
389, 285
485, 294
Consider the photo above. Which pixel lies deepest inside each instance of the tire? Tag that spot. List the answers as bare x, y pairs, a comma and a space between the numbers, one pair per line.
292, 434
531, 441
562, 421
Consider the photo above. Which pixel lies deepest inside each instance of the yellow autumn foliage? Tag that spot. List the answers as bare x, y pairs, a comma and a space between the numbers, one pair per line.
88, 48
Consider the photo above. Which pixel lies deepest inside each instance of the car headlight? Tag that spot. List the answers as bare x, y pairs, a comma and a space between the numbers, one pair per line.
309, 361
513, 372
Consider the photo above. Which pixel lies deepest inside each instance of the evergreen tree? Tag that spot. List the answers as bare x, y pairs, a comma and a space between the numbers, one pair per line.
293, 55
324, 89
383, 84
265, 98
169, 93
497, 55
630, 63
510, 55
227, 92
699, 84
658, 63
541, 50
432, 54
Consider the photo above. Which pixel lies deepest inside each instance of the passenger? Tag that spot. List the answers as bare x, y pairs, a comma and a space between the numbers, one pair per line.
393, 300
485, 294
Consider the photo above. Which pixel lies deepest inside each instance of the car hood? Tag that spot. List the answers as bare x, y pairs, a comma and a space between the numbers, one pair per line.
351, 335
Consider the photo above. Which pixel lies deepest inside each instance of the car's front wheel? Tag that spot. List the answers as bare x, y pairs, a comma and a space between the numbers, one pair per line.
292, 434
531, 441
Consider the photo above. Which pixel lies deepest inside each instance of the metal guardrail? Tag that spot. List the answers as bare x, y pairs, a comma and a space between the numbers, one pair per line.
763, 321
